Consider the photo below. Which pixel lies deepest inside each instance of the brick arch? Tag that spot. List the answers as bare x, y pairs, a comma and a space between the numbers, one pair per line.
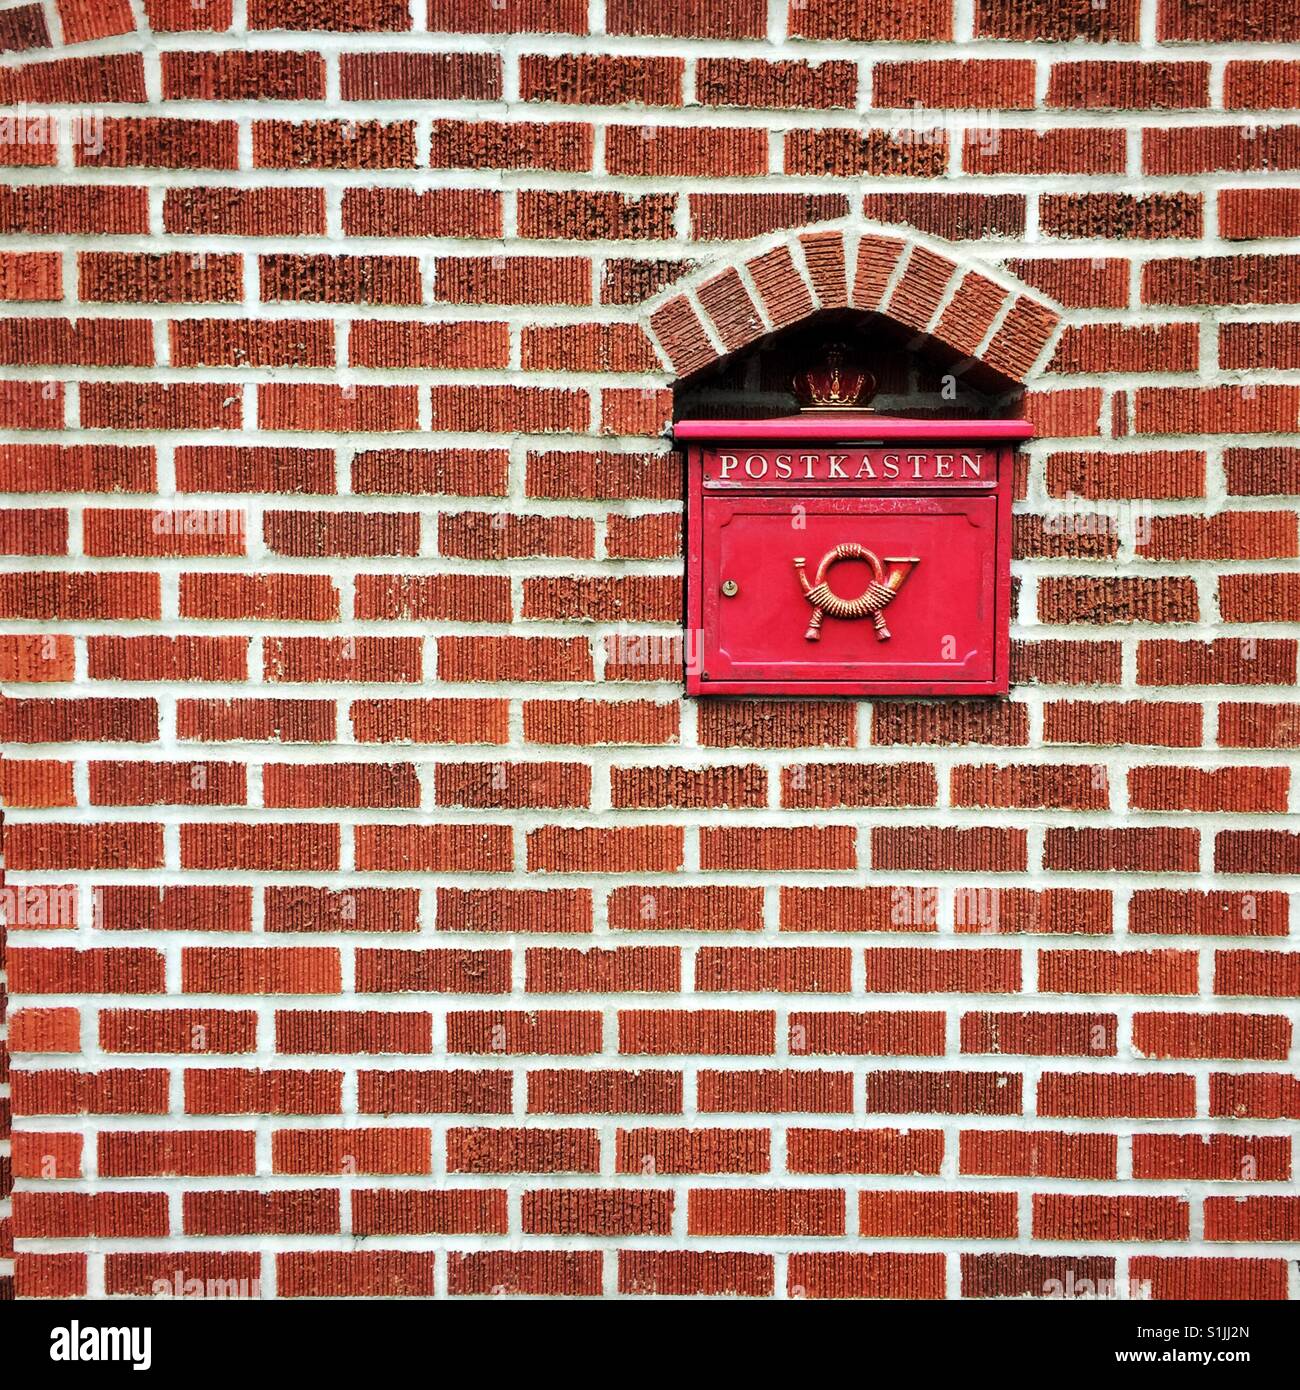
919, 282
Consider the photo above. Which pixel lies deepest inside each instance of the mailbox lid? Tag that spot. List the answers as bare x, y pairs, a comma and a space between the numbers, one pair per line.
943, 621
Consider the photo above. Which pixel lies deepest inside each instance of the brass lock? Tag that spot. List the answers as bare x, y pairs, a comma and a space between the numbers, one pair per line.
730, 588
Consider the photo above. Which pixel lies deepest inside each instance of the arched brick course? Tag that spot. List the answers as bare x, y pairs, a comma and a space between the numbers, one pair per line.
934, 289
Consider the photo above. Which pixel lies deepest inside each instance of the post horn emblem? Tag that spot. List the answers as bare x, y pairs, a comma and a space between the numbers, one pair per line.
871, 602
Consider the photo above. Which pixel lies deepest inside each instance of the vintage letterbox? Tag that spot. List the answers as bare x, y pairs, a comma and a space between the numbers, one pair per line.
848, 555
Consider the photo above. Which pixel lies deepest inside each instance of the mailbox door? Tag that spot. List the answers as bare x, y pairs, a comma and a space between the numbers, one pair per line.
939, 554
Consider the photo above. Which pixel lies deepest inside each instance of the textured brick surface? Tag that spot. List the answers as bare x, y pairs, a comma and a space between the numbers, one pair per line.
379, 919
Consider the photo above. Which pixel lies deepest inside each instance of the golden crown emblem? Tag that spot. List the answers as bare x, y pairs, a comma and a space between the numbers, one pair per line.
834, 384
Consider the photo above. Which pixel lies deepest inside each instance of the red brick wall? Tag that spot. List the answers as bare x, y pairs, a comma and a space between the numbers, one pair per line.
381, 920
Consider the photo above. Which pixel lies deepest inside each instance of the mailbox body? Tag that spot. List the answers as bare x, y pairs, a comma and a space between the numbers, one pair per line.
808, 536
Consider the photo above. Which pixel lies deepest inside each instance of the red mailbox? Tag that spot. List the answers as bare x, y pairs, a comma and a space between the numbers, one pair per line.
859, 555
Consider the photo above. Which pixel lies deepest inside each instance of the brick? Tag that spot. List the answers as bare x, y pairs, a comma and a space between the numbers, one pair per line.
1105, 723
333, 145
1256, 851
1072, 150
154, 142
1255, 1036
33, 276
1129, 86
597, 1211
709, 1032
38, 210
562, 146
771, 848
680, 151
1039, 1035
597, 347
1094, 282
319, 533
871, 19
286, 1211
429, 721
434, 1092
1116, 1095
1175, 912
180, 1031
348, 1032
269, 846
348, 659
992, 849
1224, 661
251, 343
562, 910
120, 405
554, 1273
864, 1150
420, 76
1208, 1278
225, 469
255, 720
510, 17
436, 212
109, 77
514, 659
1224, 20
722, 1211
1155, 216
1154, 474
260, 74
569, 1033
1036, 1276
331, 910
621, 1092
269, 597
51, 845
601, 79
81, 596
999, 83
440, 848
166, 784
946, 1215
510, 409
612, 849
1014, 19
775, 1092
954, 722
522, 1150
1262, 472
1132, 849
698, 1273
1211, 1157
354, 1274
1117, 600
178, 907
114, 1091
1231, 149
1247, 725
1064, 1216
943, 1093
687, 19
1037, 1154
1266, 85
1198, 789
512, 280
832, 152
775, 86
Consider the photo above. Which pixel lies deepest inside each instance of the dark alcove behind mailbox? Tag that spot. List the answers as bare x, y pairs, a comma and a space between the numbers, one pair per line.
915, 375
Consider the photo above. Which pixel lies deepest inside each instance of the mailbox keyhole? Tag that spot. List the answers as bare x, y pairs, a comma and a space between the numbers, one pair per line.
730, 588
